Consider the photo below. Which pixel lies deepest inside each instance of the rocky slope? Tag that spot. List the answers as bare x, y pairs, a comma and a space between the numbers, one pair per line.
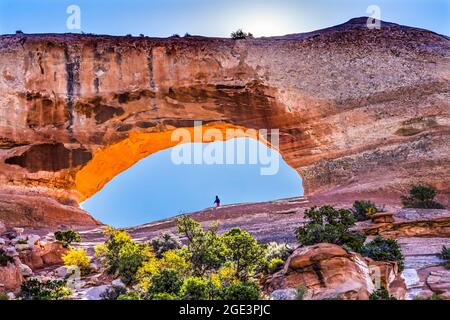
328, 270
359, 111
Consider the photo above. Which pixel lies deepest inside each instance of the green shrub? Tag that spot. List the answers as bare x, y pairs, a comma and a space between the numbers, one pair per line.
112, 293
131, 257
243, 251
108, 253
330, 225
445, 254
22, 241
167, 281
34, 289
164, 243
421, 196
381, 249
275, 264
241, 291
121, 256
239, 34
300, 292
67, 237
381, 294
5, 259
165, 296
432, 297
363, 209
278, 250
206, 248
195, 288
130, 295
3, 296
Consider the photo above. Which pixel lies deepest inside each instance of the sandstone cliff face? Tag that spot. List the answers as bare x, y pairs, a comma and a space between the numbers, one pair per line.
359, 110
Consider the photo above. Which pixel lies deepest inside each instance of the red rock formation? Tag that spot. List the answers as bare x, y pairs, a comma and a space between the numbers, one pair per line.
41, 256
359, 111
328, 271
10, 277
416, 223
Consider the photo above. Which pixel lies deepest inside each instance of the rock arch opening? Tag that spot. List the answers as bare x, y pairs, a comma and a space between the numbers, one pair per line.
157, 188
148, 155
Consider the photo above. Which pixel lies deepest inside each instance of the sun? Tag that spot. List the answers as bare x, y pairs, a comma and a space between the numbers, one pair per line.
266, 24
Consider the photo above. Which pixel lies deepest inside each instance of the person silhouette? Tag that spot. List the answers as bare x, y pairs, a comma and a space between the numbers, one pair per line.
217, 202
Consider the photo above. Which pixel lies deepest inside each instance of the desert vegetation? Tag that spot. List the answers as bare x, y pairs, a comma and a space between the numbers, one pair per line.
381, 249
196, 262
208, 266
381, 294
445, 255
239, 34
363, 210
4, 258
34, 289
67, 237
330, 225
421, 196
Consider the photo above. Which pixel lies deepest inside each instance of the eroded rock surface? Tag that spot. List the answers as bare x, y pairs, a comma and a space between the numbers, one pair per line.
359, 111
328, 271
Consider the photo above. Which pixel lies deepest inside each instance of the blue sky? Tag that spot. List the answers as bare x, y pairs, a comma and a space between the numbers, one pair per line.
155, 188
214, 18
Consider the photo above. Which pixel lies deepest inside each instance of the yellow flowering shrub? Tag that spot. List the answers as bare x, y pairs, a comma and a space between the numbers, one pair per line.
149, 268
225, 276
176, 259
77, 257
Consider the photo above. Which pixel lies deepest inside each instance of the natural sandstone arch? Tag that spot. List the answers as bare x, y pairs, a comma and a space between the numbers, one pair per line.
108, 162
359, 111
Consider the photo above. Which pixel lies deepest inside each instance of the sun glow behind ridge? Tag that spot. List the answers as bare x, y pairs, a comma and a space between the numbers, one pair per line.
261, 22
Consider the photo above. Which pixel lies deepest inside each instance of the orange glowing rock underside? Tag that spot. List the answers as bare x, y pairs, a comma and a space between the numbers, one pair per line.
109, 161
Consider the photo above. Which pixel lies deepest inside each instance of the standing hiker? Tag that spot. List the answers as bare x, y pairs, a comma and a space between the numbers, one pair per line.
217, 202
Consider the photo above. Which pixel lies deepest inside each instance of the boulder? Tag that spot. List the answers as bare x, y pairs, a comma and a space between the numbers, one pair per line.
32, 258
397, 288
52, 252
439, 281
385, 274
32, 239
327, 270
382, 272
18, 231
284, 294
424, 294
10, 234
11, 296
411, 278
94, 293
61, 272
10, 277
2, 242
94, 267
23, 246
26, 270
117, 283
11, 251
